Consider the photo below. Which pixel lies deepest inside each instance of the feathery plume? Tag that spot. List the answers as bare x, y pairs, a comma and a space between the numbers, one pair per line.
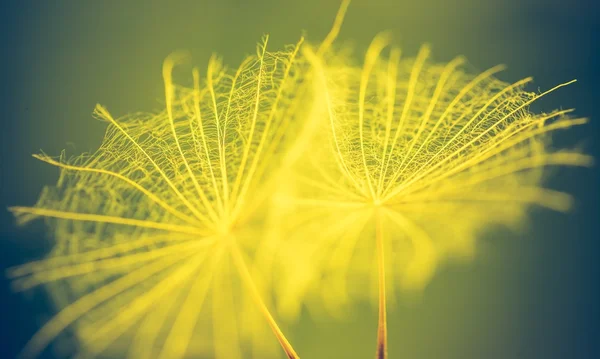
154, 229
412, 161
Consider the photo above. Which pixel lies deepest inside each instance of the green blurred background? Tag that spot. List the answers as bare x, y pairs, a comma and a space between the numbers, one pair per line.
533, 294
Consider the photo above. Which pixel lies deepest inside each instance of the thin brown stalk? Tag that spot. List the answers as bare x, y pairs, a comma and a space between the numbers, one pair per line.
382, 325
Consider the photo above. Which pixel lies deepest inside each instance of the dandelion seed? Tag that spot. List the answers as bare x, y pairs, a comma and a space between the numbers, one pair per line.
154, 229
412, 161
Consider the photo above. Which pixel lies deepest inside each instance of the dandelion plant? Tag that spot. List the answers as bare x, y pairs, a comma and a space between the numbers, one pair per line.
413, 159
154, 229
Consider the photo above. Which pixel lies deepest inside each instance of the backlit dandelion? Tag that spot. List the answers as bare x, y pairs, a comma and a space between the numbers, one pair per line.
153, 230
412, 160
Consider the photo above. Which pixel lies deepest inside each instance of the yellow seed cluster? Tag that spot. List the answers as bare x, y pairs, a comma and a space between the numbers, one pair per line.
154, 229
431, 152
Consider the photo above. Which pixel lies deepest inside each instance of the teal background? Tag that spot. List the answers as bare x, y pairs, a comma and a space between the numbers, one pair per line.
533, 294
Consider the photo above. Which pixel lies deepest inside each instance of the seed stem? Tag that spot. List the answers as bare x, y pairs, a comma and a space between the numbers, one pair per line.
249, 282
382, 326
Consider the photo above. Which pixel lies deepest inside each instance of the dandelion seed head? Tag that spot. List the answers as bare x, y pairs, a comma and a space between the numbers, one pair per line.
434, 153
153, 229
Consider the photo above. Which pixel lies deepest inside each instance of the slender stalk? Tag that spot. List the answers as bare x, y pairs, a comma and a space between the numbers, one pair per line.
335, 29
247, 279
382, 326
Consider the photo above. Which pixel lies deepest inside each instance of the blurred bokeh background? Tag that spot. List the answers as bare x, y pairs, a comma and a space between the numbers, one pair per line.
532, 294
